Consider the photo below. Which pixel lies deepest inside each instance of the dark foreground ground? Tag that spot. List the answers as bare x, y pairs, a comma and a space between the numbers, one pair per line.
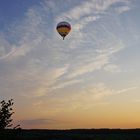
75, 134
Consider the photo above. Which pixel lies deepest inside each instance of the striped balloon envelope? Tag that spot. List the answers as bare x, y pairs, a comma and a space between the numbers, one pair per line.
63, 28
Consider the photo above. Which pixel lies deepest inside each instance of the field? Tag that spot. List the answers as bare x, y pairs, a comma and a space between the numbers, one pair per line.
74, 134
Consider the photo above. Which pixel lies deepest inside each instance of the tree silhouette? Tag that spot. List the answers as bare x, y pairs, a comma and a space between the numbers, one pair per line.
6, 112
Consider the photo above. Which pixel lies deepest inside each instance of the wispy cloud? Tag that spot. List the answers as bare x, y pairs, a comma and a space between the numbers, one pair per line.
44, 82
37, 122
112, 68
96, 62
98, 94
123, 9
88, 7
126, 89
65, 84
100, 90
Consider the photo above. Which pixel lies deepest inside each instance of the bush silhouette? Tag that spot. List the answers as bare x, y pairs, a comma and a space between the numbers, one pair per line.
6, 112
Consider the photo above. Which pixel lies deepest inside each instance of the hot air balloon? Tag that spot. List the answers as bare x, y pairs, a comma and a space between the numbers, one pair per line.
63, 28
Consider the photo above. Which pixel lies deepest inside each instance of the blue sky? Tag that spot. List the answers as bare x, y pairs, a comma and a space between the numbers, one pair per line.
11, 11
94, 71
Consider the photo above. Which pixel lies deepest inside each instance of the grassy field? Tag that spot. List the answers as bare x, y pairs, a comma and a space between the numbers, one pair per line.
75, 134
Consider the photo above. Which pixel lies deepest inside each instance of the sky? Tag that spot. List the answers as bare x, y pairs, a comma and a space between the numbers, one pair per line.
89, 80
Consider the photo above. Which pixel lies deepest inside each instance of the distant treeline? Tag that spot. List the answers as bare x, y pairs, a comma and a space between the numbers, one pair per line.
73, 134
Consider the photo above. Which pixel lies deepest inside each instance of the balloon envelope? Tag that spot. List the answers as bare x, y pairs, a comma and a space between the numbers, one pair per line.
63, 28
